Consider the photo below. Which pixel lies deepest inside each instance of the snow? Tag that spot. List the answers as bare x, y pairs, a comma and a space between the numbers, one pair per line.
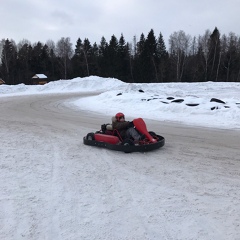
150, 100
54, 187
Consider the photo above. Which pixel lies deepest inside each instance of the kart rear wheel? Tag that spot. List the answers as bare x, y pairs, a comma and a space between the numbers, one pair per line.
128, 142
90, 136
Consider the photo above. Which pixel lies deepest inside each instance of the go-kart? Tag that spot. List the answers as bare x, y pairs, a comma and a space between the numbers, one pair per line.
110, 138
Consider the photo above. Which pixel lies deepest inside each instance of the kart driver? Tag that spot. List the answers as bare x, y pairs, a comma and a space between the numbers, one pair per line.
125, 128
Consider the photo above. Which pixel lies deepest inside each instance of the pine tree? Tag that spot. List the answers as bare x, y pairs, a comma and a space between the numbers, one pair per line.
24, 61
87, 52
214, 54
77, 60
78, 47
138, 66
103, 57
150, 60
95, 60
124, 60
9, 62
113, 57
36, 64
45, 58
162, 59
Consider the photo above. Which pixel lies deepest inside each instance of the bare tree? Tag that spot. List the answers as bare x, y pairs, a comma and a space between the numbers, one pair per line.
134, 47
179, 44
2, 42
194, 45
64, 51
203, 43
51, 45
85, 57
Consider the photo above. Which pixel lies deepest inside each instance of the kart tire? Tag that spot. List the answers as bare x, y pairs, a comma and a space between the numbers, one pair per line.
153, 134
90, 136
128, 142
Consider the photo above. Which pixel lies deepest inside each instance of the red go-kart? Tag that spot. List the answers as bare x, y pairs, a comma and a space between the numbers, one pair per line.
111, 139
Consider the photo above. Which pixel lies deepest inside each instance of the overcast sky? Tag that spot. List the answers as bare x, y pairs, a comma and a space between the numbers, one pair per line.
41, 20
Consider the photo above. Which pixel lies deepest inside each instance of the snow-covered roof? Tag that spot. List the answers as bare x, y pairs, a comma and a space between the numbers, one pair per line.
39, 76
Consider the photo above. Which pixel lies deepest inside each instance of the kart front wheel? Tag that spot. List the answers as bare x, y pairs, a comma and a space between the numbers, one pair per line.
153, 134
90, 136
127, 143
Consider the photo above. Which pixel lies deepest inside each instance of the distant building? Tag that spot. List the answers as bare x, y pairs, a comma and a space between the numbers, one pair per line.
1, 81
39, 79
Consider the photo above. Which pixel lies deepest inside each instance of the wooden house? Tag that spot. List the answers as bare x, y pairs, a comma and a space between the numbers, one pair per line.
39, 79
1, 81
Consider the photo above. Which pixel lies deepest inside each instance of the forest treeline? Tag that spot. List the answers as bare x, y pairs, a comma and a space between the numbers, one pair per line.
210, 57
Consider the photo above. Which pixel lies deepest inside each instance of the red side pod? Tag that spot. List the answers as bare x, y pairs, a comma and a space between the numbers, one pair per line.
140, 125
106, 138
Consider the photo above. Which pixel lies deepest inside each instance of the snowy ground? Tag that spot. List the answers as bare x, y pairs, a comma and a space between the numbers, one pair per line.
188, 103
54, 187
